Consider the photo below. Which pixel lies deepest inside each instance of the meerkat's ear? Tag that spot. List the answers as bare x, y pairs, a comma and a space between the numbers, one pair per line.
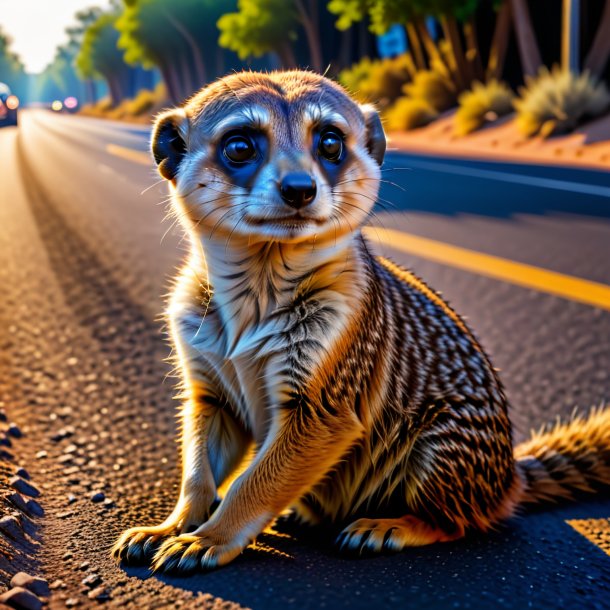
169, 141
375, 136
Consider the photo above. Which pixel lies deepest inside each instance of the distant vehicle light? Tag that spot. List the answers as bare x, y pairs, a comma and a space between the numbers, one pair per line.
70, 103
12, 102
57, 106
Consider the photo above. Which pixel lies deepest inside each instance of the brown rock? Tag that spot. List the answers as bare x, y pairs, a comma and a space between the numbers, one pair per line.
21, 598
38, 586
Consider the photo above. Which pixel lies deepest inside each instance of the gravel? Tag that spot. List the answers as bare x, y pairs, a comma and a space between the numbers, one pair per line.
24, 487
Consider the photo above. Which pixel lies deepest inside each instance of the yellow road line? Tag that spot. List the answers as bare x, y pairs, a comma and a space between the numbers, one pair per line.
543, 280
137, 156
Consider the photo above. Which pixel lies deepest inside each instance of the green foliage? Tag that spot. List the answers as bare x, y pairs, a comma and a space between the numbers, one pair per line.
384, 13
378, 81
557, 101
408, 113
178, 37
434, 88
258, 26
99, 54
484, 103
349, 12
11, 69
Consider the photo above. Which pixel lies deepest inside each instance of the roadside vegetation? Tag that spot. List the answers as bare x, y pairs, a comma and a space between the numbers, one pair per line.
474, 60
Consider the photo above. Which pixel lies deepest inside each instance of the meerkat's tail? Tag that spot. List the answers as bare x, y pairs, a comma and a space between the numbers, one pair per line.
566, 461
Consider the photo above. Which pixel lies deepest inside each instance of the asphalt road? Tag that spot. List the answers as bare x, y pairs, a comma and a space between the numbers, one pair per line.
84, 263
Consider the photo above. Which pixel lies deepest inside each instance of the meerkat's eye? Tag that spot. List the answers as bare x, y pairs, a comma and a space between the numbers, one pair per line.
239, 148
330, 145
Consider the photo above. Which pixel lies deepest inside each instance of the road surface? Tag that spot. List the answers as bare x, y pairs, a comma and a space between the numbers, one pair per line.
85, 258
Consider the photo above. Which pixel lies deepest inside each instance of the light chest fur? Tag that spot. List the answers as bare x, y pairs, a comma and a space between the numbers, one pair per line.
237, 337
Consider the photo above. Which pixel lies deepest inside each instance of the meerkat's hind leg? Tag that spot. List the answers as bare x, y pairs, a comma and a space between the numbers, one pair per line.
377, 535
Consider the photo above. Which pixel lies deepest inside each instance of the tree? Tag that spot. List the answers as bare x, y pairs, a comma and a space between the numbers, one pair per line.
297, 32
259, 27
76, 33
463, 65
177, 37
100, 56
273, 26
12, 71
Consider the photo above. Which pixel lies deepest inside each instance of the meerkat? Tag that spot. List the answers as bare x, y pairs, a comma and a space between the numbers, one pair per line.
368, 401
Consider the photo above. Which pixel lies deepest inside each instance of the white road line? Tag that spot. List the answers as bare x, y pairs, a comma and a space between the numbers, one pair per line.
489, 174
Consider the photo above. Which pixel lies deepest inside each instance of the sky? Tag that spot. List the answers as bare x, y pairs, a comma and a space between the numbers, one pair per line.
37, 27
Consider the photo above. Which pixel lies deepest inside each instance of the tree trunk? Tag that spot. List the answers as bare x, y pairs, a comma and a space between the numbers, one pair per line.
363, 40
90, 89
310, 24
570, 36
220, 61
193, 46
429, 44
345, 52
415, 46
286, 55
185, 75
473, 52
113, 88
499, 43
452, 34
526, 38
168, 74
598, 55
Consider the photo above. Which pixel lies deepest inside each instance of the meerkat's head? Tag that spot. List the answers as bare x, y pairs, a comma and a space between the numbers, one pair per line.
286, 156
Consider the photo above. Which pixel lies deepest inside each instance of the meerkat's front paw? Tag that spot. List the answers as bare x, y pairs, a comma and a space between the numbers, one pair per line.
190, 552
138, 544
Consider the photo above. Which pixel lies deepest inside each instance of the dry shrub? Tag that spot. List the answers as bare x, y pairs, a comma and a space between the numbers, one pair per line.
378, 81
484, 103
434, 88
409, 113
556, 101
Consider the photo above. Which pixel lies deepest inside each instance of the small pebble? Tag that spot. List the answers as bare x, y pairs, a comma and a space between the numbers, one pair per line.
41, 455
11, 527
22, 486
3, 415
98, 497
84, 566
57, 584
19, 502
71, 499
34, 508
65, 514
14, 430
21, 598
93, 580
5, 441
23, 473
38, 586
67, 556
101, 594
5, 455
71, 602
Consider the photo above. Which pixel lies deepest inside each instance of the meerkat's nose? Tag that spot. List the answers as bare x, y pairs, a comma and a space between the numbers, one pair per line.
298, 189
